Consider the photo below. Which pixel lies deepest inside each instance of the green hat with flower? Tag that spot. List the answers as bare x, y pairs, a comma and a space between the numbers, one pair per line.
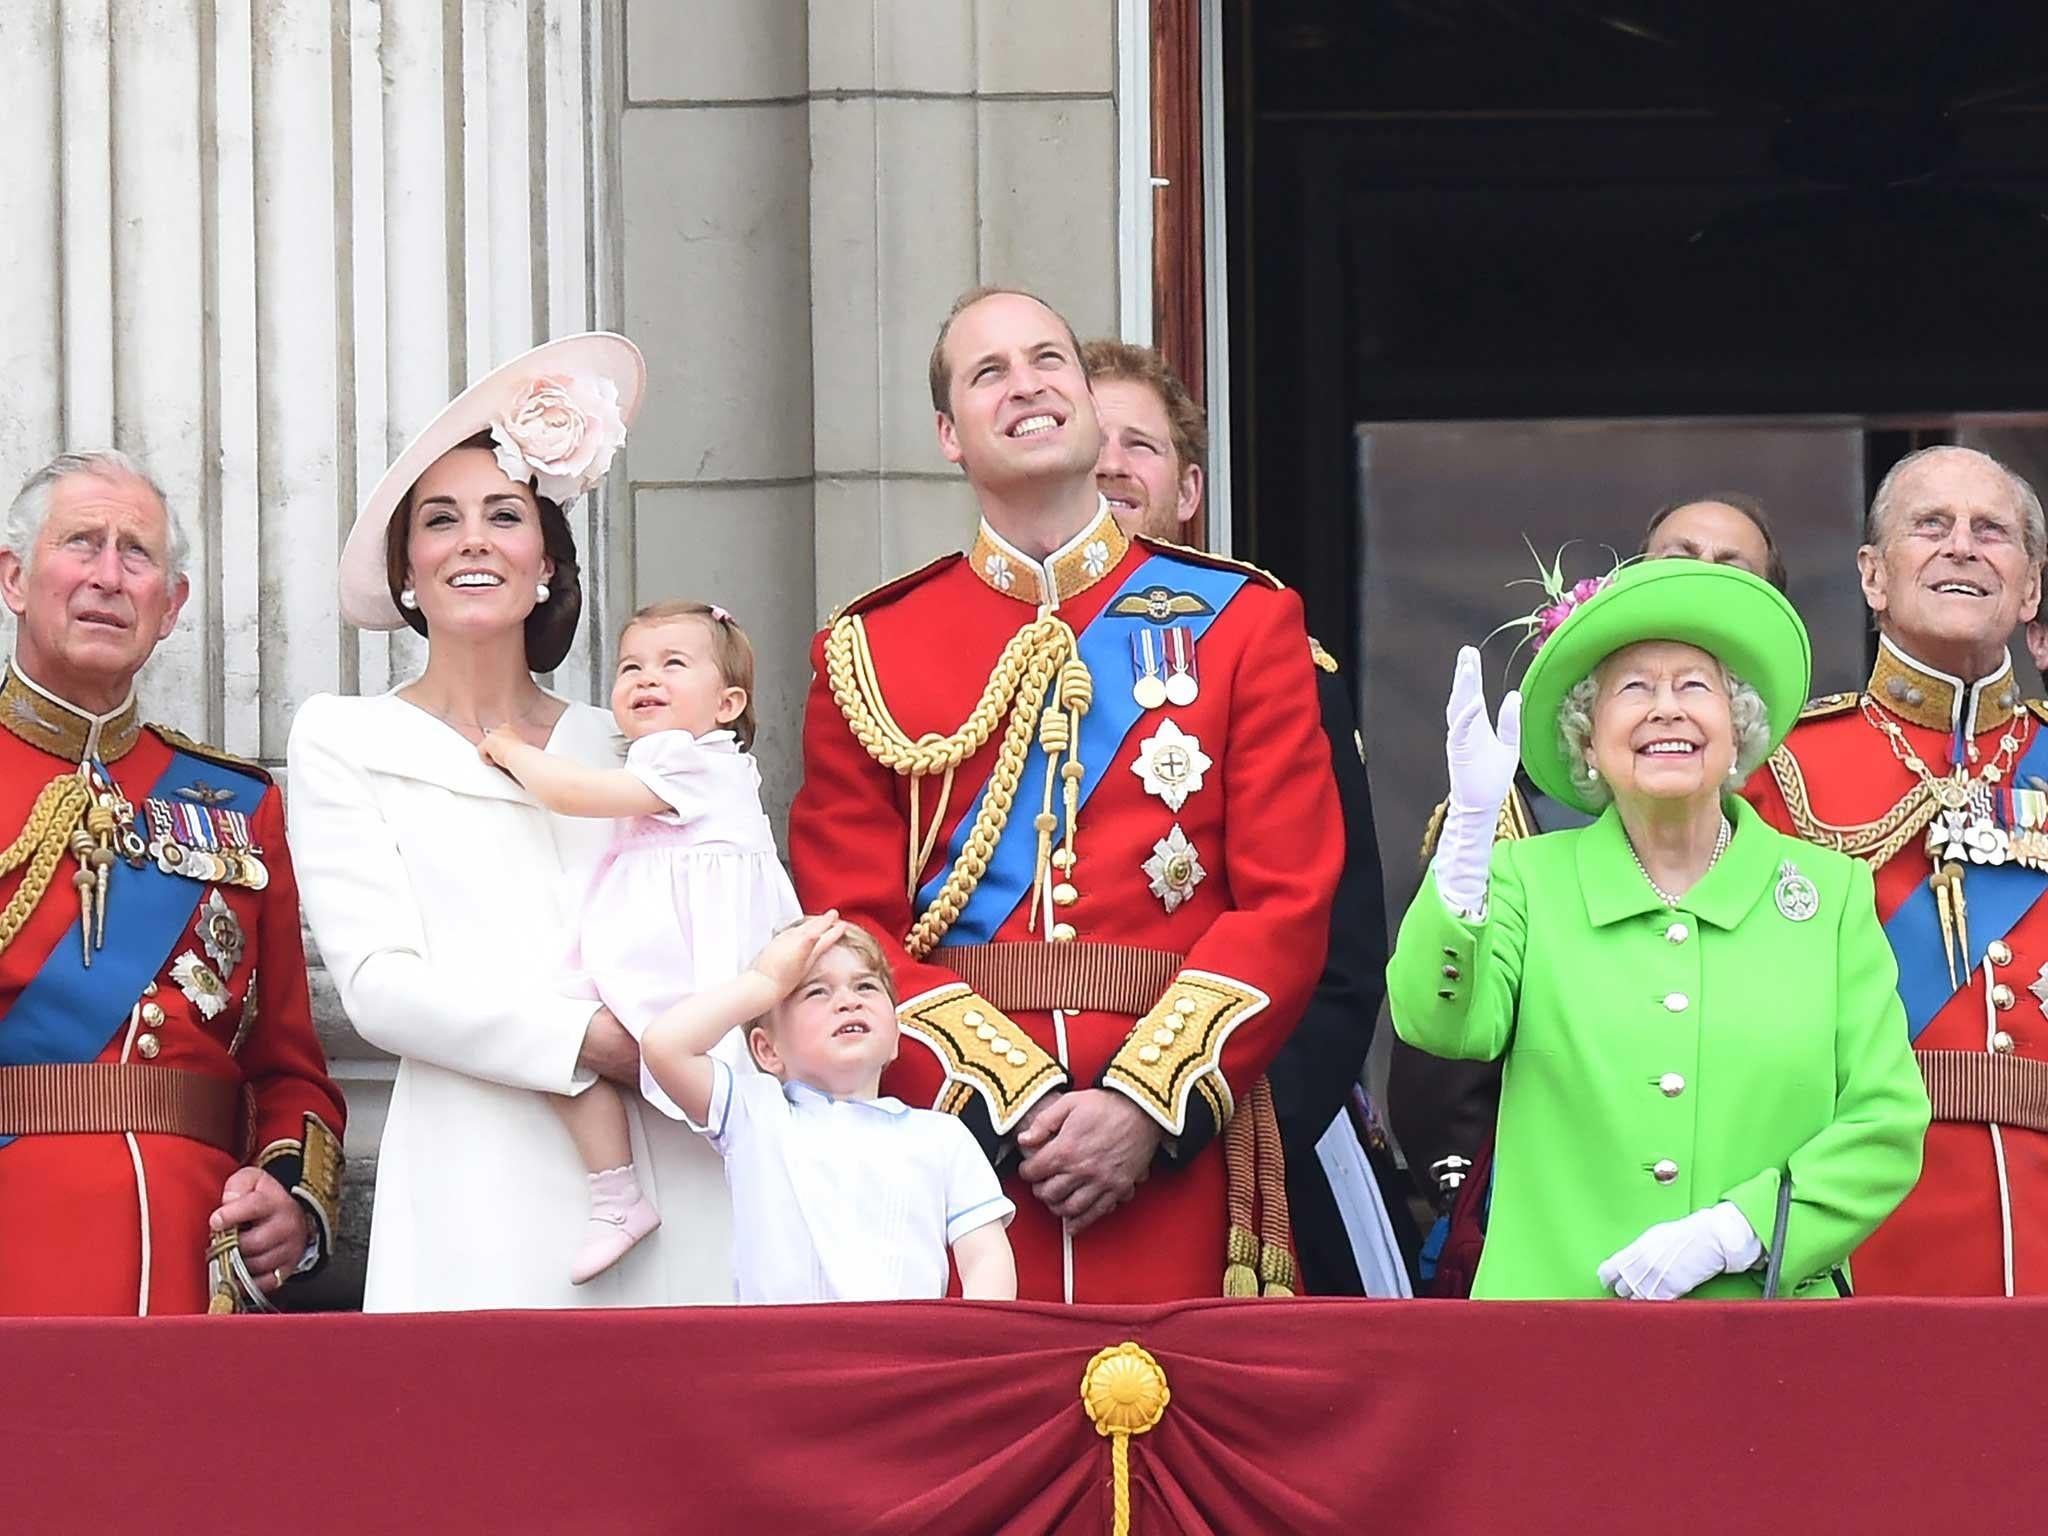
1742, 621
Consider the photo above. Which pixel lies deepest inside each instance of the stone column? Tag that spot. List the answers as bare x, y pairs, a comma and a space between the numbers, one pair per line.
715, 200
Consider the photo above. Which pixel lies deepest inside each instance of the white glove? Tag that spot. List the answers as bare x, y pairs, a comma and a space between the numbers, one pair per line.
1675, 1257
1482, 761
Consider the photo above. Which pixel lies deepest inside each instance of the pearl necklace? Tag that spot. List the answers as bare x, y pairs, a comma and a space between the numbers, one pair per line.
1669, 900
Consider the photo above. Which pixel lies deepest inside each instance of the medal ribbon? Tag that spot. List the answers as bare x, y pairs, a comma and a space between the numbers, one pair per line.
1999, 895
68, 1013
1104, 647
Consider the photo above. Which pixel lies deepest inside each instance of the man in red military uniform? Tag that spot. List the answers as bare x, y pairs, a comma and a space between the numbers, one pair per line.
1078, 784
1937, 775
169, 1137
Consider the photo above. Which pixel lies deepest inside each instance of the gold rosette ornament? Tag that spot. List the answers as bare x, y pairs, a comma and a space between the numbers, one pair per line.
1124, 1391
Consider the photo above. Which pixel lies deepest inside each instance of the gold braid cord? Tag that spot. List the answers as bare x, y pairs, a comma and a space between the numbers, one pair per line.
58, 811
1874, 842
1256, 1259
1124, 1392
1023, 675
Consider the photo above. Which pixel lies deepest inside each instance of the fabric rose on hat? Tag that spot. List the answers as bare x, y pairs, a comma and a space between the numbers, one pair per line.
560, 432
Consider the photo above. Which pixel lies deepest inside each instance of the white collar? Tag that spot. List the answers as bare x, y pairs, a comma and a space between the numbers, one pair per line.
801, 1094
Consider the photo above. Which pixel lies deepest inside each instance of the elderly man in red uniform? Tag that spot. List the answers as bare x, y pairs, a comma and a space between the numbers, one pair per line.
169, 1137
1937, 775
1078, 784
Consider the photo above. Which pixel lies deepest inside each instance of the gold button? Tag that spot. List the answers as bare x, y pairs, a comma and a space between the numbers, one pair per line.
1677, 933
1016, 1058
2002, 1043
1450, 973
1676, 1002
1064, 895
1063, 933
1148, 1054
1063, 859
2001, 996
985, 1031
1664, 1171
146, 1044
1998, 953
1162, 1036
1185, 1006
152, 1015
150, 990
1000, 1046
972, 1019
1671, 1085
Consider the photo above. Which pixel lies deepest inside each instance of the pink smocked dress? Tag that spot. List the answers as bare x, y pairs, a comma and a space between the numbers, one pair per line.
685, 898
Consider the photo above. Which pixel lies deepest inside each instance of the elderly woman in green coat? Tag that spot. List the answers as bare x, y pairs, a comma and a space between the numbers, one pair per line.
1692, 1008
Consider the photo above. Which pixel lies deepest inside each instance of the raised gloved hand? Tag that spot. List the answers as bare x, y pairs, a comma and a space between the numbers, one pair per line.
1673, 1258
1482, 758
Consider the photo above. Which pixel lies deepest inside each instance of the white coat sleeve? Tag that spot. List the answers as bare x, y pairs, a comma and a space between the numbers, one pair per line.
366, 920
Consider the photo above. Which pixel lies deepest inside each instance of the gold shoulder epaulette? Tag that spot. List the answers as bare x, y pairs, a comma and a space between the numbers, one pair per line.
1204, 557
1319, 656
2038, 708
212, 754
1516, 820
875, 596
1829, 704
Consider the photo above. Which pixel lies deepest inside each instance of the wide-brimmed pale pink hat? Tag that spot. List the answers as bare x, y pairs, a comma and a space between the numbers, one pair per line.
557, 414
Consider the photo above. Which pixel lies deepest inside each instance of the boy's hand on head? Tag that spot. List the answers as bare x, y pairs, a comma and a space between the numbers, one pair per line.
788, 957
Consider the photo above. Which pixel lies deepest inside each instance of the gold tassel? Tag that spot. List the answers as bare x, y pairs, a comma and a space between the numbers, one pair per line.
1241, 1253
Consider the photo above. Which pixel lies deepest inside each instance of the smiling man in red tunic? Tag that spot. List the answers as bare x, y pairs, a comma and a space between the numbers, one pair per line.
169, 1137
1077, 783
1936, 773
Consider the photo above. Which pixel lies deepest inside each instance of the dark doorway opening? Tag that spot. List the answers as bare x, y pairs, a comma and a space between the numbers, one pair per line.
1467, 210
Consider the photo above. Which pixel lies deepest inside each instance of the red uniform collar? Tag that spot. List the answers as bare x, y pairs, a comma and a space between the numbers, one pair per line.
1086, 558
61, 728
1920, 695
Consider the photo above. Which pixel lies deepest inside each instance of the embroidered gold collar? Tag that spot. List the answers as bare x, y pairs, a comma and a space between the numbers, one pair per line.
1919, 695
62, 729
1068, 571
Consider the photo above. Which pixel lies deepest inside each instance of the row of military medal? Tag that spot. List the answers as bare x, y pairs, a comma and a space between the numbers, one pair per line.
1163, 667
203, 842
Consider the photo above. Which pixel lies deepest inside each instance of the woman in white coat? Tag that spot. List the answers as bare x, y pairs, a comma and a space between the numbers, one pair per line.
442, 895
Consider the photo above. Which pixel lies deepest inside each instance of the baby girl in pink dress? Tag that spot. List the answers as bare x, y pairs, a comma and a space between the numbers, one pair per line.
690, 889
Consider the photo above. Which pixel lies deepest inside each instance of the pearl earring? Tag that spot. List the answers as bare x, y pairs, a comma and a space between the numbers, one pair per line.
407, 599
1593, 772
540, 592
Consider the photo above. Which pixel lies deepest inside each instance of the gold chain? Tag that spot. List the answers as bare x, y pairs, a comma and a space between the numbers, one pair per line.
1953, 791
1023, 673
58, 810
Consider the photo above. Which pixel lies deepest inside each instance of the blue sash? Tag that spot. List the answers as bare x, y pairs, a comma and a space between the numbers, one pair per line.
1105, 649
1998, 896
68, 1013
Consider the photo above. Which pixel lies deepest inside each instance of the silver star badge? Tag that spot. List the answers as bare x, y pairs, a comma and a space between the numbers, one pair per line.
1174, 868
1172, 764
220, 931
206, 990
